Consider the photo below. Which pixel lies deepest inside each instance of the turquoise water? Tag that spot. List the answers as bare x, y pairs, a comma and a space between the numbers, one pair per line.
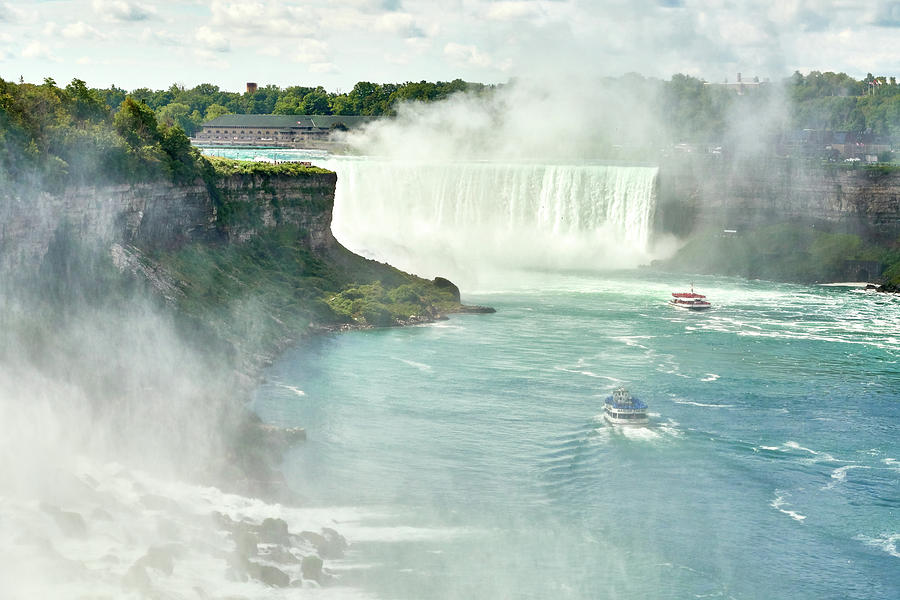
465, 459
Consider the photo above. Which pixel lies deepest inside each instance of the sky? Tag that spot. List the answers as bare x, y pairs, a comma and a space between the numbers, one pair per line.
335, 43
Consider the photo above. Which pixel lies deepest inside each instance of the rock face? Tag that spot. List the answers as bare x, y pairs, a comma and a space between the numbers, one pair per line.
163, 216
250, 203
694, 194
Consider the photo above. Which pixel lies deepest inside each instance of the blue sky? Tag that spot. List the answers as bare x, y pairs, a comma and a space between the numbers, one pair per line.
336, 43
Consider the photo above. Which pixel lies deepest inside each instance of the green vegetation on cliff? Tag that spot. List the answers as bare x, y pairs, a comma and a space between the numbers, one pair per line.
226, 167
784, 253
270, 289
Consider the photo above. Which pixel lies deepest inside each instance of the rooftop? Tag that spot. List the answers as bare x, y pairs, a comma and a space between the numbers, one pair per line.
288, 121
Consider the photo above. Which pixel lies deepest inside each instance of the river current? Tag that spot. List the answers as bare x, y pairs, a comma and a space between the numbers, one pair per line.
466, 458
477, 466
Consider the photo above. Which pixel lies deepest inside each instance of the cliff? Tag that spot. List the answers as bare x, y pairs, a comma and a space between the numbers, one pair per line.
695, 194
782, 219
164, 216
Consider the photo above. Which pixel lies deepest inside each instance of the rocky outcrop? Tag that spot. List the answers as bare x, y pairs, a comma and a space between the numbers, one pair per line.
249, 203
700, 193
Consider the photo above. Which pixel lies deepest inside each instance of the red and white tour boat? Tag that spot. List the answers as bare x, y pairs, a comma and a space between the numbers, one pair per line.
690, 300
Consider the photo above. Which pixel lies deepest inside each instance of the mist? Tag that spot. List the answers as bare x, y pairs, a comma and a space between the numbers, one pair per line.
126, 466
545, 173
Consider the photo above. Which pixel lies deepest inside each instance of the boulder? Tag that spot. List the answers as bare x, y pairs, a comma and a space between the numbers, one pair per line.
335, 544
274, 531
311, 568
161, 558
328, 544
245, 541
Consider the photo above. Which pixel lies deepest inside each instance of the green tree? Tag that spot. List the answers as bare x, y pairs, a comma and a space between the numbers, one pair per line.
315, 103
136, 123
215, 111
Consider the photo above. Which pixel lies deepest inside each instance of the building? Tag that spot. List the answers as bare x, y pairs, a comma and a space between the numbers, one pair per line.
283, 131
741, 87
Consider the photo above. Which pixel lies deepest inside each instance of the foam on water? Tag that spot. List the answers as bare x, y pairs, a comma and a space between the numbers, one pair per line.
888, 542
292, 388
780, 501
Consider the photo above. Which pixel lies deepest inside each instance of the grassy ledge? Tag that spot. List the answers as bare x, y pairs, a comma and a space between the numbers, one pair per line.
226, 167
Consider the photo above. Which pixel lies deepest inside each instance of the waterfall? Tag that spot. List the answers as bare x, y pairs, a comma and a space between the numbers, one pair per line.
460, 218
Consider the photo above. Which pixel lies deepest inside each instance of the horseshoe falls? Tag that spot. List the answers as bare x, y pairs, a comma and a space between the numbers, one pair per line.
464, 219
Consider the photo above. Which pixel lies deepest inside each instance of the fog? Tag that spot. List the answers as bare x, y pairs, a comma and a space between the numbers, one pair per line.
122, 465
546, 173
562, 117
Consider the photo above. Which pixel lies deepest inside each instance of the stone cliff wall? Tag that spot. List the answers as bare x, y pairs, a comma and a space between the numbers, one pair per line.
694, 194
249, 203
154, 216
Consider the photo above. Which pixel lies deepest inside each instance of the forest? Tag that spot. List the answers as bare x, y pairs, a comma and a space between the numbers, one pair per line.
52, 134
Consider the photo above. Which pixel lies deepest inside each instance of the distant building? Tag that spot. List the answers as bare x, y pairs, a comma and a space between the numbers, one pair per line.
741, 87
286, 131
251, 87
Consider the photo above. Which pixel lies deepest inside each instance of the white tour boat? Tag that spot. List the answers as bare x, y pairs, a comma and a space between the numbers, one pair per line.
690, 300
623, 409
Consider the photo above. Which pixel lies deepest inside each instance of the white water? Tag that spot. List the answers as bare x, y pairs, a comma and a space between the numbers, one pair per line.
465, 219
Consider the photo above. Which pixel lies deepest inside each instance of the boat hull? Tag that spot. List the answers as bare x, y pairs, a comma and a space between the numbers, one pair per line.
628, 419
693, 306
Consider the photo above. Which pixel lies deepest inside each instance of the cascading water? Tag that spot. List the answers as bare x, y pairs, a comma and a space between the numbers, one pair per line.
459, 218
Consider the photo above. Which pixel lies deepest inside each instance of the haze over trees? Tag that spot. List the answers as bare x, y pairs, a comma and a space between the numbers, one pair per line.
50, 133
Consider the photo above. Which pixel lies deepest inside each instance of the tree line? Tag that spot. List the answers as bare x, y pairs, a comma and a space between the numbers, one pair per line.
51, 133
189, 108
51, 136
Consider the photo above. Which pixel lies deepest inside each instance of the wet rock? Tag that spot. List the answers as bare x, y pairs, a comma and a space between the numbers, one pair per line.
245, 541
328, 544
161, 558
311, 568
274, 531
474, 308
71, 523
137, 578
280, 554
271, 576
335, 544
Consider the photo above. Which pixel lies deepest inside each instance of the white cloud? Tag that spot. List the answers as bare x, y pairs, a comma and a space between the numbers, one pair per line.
10, 13
396, 23
211, 59
511, 11
80, 30
466, 55
212, 40
161, 37
310, 51
37, 50
122, 10
269, 51
323, 67
263, 20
